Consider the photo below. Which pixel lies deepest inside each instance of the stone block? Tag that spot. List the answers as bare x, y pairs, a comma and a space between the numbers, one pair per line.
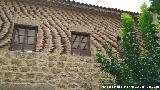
81, 74
63, 58
61, 86
18, 81
91, 70
55, 70
8, 75
63, 75
31, 56
44, 69
51, 64
20, 55
71, 64
48, 77
82, 69
24, 69
71, 69
89, 60
73, 58
60, 64
53, 58
86, 65
30, 81
31, 62
42, 63
4, 68
82, 58
52, 82
3, 61
72, 85
95, 75
17, 62
7, 80
72, 75
19, 76
1, 75
39, 76
43, 57
14, 69
35, 69
30, 75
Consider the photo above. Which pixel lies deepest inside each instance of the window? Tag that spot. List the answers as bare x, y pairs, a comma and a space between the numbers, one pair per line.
80, 44
24, 38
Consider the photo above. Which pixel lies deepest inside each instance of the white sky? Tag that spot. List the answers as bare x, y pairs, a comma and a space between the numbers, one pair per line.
127, 5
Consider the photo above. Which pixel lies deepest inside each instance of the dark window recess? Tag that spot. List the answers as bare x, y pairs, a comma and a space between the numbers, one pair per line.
80, 44
24, 38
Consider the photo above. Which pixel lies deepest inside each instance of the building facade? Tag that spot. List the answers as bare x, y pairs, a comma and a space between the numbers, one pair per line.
52, 44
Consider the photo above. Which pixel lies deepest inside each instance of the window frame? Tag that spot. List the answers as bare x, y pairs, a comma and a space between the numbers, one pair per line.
79, 49
26, 27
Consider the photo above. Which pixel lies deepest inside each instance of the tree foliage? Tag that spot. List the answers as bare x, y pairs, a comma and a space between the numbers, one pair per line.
137, 68
155, 6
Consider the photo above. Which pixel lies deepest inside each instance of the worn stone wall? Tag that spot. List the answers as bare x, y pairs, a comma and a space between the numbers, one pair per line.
52, 63
58, 71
